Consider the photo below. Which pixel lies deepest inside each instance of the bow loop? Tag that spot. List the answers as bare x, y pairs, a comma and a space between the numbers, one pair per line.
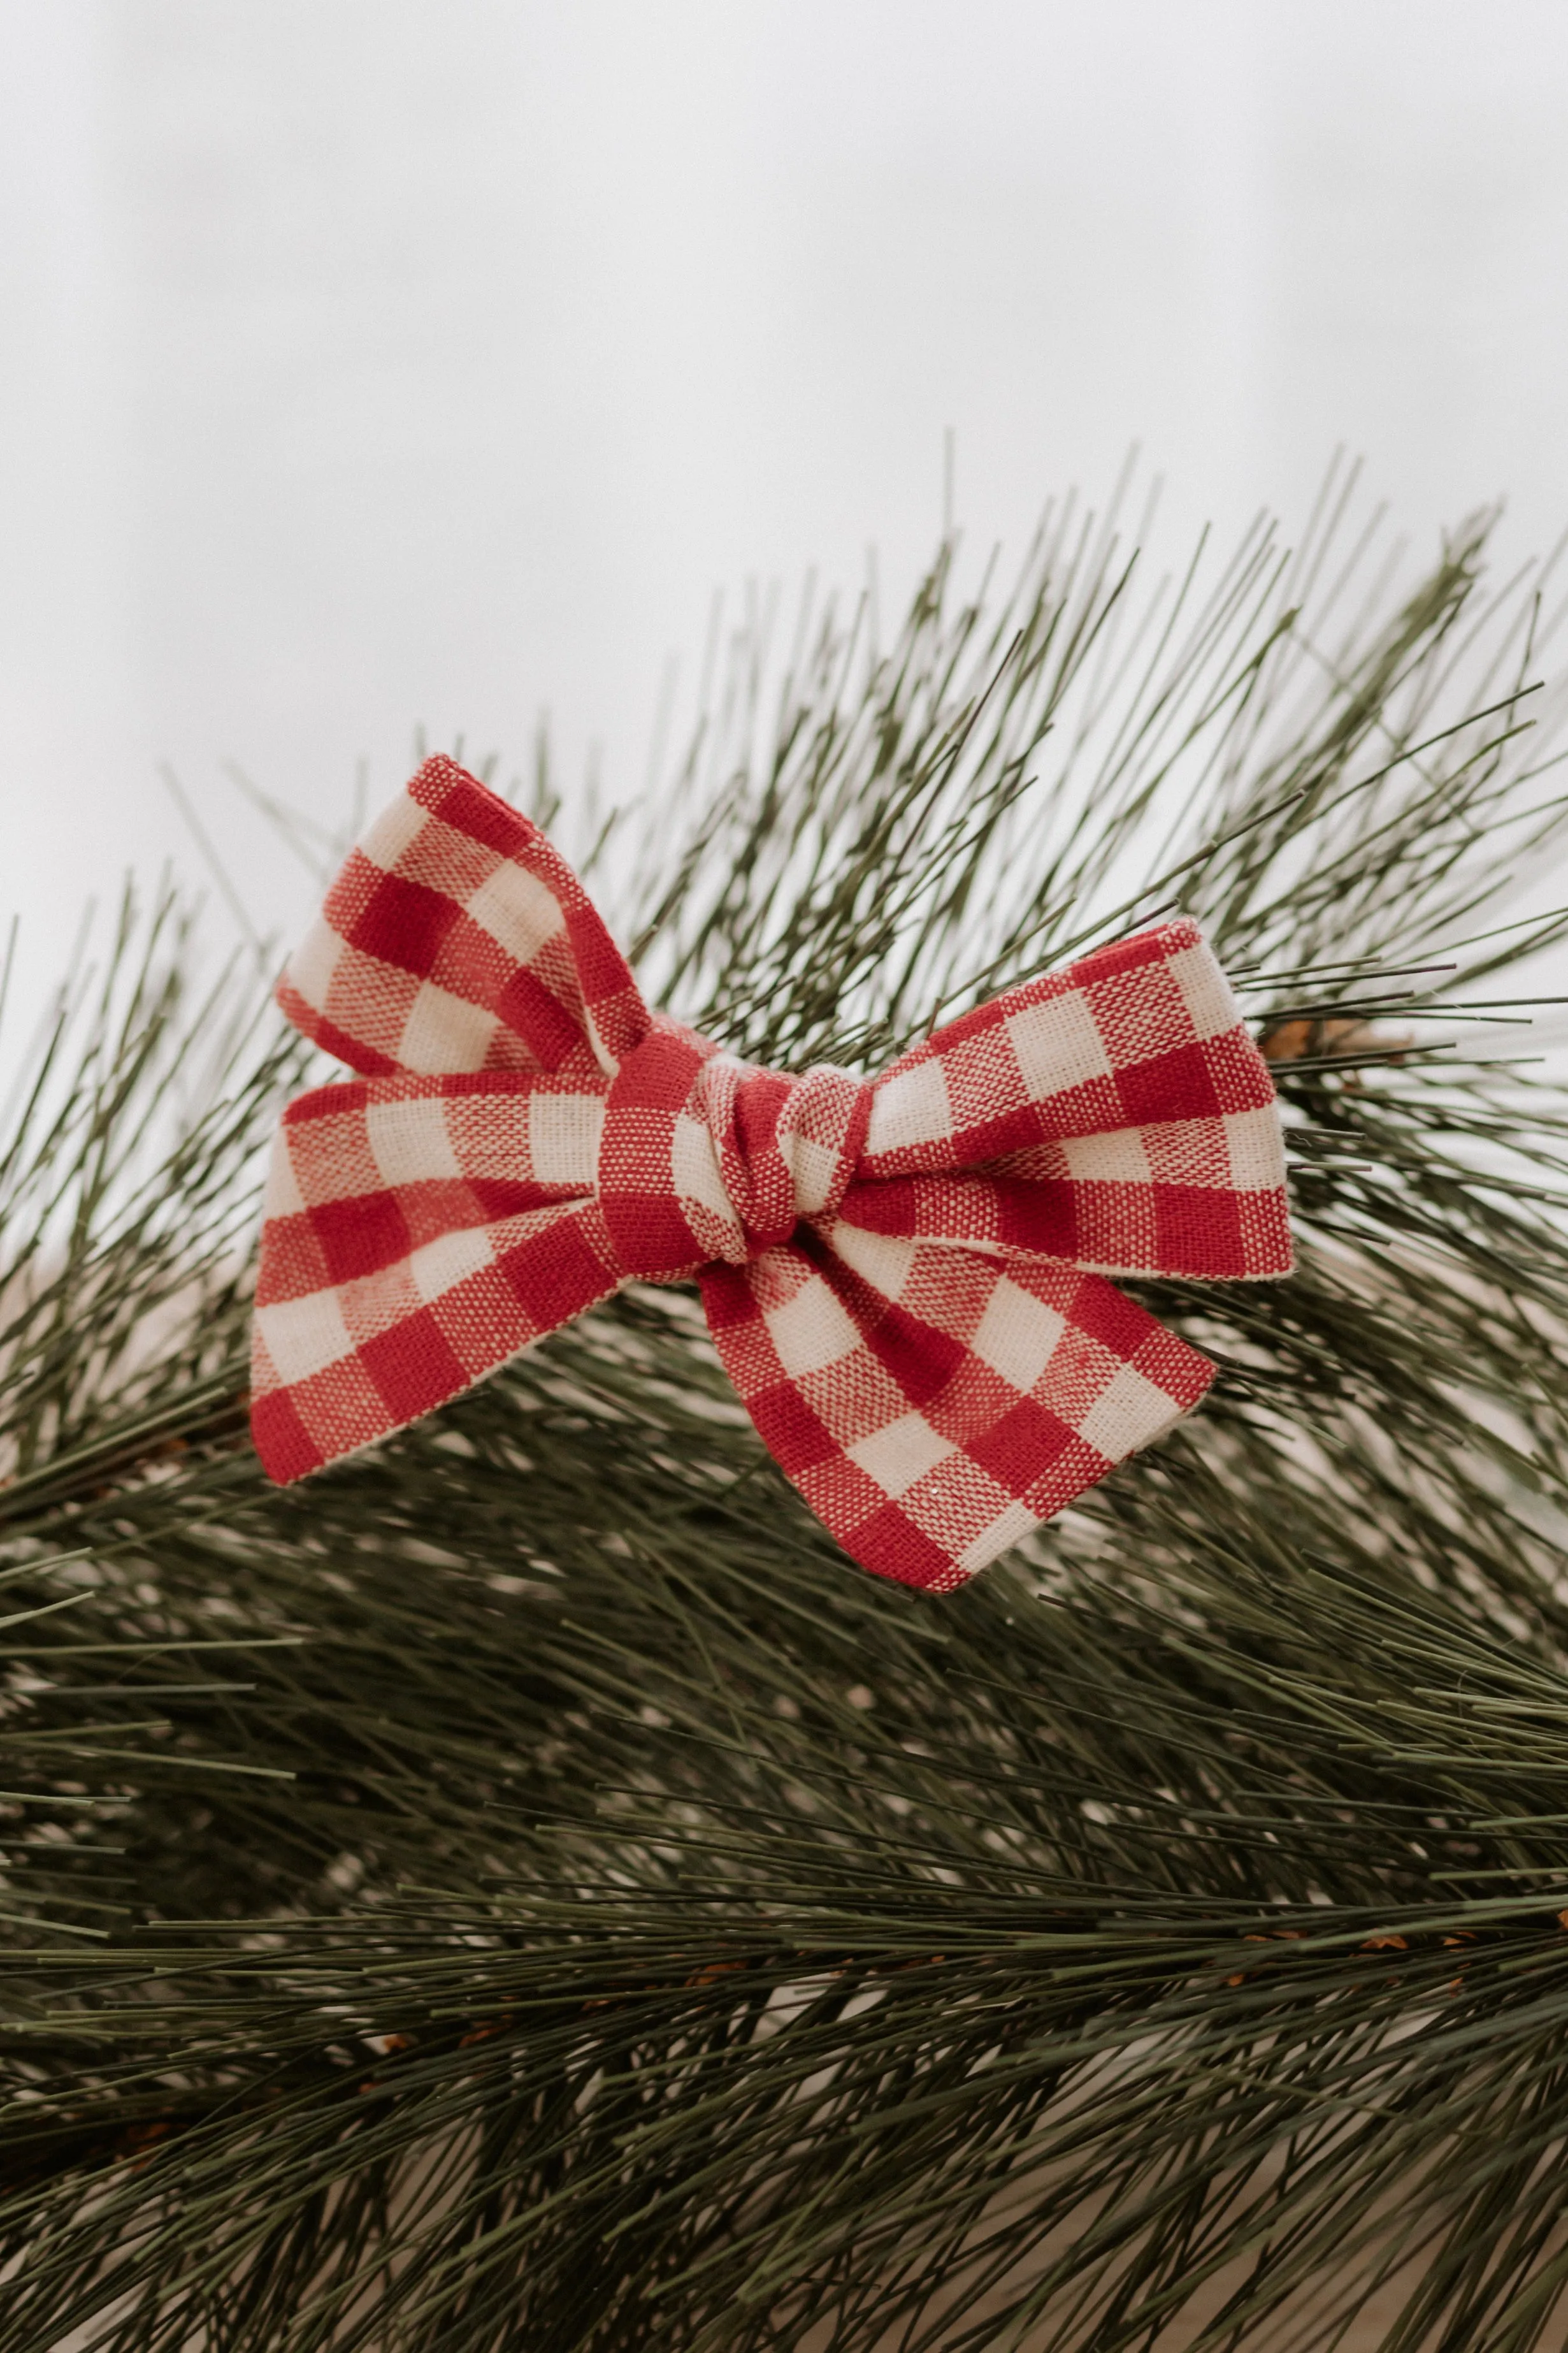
904, 1278
457, 939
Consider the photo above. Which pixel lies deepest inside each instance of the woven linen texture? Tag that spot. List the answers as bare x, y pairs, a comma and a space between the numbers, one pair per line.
905, 1278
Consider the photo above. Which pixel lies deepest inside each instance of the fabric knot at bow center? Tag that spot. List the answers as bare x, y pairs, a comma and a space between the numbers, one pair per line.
704, 1158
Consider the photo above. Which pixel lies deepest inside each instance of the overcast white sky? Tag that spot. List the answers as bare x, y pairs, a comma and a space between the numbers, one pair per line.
372, 363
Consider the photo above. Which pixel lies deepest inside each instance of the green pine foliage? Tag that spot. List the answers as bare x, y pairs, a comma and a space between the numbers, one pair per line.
524, 1889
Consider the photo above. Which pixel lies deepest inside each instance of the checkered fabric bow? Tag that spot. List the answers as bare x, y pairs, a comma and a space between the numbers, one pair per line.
904, 1277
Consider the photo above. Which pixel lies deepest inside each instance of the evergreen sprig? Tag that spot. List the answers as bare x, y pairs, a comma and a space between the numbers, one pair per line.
524, 1889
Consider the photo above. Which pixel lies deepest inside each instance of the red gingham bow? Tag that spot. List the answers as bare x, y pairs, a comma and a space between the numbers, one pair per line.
904, 1277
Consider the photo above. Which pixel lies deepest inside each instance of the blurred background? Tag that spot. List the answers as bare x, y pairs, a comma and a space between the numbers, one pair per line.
368, 365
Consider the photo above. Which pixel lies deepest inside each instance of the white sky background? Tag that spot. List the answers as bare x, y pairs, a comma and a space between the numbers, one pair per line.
373, 363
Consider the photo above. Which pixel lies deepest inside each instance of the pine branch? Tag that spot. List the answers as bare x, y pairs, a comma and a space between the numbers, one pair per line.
522, 1888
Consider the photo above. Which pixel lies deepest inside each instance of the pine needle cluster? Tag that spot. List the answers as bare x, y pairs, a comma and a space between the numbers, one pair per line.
524, 1889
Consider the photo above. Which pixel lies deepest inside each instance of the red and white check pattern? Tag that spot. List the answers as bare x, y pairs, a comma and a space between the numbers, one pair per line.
904, 1278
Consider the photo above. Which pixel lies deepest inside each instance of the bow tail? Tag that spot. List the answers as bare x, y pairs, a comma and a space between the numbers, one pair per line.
933, 1405
336, 1367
